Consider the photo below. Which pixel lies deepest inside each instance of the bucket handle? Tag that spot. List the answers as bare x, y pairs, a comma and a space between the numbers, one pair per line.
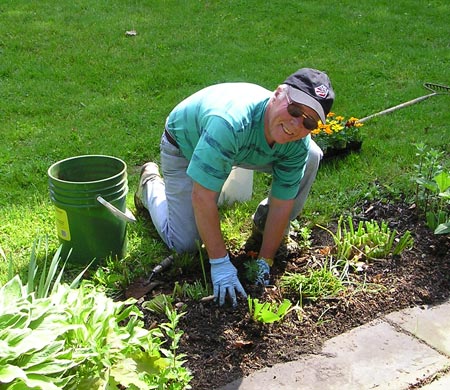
126, 216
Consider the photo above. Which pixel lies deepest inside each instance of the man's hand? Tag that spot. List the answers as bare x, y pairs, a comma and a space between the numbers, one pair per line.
224, 279
263, 276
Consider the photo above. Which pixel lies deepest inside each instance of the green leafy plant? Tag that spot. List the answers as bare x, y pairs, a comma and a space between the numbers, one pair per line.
33, 354
302, 234
368, 241
114, 276
433, 188
268, 312
173, 376
337, 132
428, 166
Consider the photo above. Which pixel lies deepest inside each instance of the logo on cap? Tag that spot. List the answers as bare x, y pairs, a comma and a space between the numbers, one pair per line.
321, 91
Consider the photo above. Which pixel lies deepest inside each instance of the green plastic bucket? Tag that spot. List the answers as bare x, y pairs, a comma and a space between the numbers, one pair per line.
89, 194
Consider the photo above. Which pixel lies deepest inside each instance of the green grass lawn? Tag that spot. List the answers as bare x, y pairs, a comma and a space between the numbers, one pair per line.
73, 82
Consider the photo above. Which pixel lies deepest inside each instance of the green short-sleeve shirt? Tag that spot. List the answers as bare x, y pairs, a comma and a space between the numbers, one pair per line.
222, 126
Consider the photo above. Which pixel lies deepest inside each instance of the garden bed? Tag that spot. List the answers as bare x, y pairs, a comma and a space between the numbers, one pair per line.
223, 344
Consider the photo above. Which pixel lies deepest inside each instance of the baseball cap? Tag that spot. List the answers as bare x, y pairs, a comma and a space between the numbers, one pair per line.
312, 88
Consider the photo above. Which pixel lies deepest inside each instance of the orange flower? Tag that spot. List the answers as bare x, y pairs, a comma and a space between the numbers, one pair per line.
328, 130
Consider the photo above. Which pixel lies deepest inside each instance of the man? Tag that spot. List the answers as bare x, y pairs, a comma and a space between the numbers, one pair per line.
235, 124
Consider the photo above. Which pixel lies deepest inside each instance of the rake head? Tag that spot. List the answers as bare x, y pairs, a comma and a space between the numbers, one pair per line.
437, 88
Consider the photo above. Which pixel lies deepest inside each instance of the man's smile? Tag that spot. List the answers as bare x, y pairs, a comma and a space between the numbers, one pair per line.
286, 130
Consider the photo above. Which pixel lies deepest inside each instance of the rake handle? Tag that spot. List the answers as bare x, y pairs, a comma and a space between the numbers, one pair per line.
397, 107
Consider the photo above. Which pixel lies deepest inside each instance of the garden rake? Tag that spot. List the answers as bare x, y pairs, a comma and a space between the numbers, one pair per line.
437, 89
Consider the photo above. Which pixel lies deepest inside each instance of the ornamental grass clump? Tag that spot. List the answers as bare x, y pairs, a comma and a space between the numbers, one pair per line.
367, 241
338, 133
318, 283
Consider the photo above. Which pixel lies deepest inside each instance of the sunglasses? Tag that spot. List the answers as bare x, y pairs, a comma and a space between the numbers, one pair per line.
295, 111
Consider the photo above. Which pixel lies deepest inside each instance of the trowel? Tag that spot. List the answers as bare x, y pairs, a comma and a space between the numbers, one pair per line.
142, 287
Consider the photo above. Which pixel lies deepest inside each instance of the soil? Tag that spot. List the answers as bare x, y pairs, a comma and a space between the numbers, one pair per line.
223, 344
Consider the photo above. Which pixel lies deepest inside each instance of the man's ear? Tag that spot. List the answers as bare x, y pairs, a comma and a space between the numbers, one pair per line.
279, 90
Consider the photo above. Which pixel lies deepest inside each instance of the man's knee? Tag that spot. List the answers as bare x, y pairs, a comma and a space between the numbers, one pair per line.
186, 243
315, 154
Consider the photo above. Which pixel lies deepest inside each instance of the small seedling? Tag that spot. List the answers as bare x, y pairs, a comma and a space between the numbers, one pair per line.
159, 304
303, 234
251, 270
207, 287
195, 291
268, 312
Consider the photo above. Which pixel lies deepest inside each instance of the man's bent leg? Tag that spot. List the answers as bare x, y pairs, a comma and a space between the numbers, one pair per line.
170, 201
312, 166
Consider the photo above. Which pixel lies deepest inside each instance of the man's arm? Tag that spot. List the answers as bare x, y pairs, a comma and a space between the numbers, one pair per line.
204, 202
276, 223
223, 273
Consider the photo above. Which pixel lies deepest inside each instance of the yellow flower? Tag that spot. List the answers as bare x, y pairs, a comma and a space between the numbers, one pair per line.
336, 127
339, 118
330, 114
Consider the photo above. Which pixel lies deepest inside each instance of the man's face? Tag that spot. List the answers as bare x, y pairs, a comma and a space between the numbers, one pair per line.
281, 126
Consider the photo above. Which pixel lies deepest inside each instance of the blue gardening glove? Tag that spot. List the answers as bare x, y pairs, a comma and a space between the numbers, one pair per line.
263, 276
224, 279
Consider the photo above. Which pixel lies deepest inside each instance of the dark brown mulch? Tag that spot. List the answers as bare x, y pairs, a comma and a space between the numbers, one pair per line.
223, 344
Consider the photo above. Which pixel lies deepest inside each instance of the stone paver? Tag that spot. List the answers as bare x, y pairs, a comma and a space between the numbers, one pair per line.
431, 324
373, 356
442, 383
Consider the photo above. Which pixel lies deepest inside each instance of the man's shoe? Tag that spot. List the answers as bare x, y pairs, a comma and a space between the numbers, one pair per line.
288, 245
149, 171
259, 218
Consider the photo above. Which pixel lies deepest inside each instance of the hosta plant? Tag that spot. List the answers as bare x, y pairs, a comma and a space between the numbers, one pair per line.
61, 337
